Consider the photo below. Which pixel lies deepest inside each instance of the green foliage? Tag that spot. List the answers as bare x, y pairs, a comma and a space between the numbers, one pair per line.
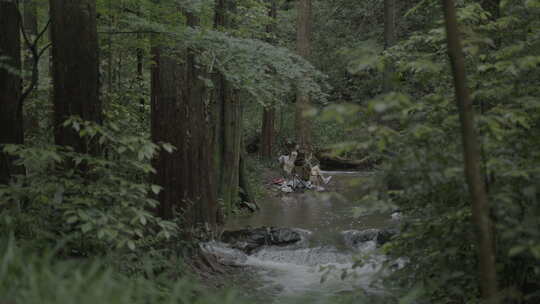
89, 198
104, 200
30, 276
415, 133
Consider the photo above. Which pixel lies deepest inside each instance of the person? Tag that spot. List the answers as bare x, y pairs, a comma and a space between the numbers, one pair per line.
315, 173
302, 165
316, 177
287, 163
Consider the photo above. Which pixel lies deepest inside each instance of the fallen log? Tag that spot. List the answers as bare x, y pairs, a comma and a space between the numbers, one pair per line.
333, 162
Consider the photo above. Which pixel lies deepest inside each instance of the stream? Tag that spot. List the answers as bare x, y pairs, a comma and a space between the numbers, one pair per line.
318, 269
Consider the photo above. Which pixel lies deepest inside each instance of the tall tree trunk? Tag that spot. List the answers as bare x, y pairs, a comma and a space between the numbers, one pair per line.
167, 125
228, 130
303, 100
179, 116
31, 28
389, 39
471, 153
200, 141
247, 193
11, 127
110, 55
140, 69
30, 67
75, 68
268, 131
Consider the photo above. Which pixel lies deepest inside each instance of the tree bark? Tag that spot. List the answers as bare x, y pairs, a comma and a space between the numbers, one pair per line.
303, 100
11, 124
247, 193
389, 40
139, 54
75, 68
30, 23
179, 116
203, 188
471, 153
268, 131
228, 122
167, 125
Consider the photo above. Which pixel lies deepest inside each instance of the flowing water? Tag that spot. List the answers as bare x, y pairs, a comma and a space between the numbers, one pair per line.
320, 268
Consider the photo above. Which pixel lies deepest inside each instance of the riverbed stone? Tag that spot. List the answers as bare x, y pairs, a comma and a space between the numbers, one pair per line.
354, 238
248, 240
224, 253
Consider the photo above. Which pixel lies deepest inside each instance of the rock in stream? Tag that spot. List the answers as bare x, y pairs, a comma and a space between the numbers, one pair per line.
249, 240
356, 238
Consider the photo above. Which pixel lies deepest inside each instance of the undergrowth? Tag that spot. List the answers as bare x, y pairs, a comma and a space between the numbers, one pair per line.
30, 276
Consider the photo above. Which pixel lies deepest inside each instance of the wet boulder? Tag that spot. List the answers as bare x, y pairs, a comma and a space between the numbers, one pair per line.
249, 240
355, 238
224, 253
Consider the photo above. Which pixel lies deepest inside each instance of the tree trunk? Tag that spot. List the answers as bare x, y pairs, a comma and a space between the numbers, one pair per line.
75, 68
471, 153
110, 55
30, 64
268, 131
389, 39
139, 54
140, 68
31, 29
303, 46
203, 188
167, 125
228, 123
246, 195
11, 127
179, 116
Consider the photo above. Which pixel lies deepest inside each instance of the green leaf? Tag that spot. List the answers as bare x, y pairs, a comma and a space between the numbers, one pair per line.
156, 189
168, 147
131, 245
101, 233
516, 250
72, 219
86, 227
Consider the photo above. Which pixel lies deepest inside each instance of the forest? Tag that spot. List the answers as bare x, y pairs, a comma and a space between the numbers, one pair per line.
270, 151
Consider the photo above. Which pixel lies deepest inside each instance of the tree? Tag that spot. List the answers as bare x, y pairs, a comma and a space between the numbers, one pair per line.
389, 37
171, 173
140, 63
303, 47
471, 154
179, 117
201, 186
228, 121
75, 68
30, 24
11, 127
269, 112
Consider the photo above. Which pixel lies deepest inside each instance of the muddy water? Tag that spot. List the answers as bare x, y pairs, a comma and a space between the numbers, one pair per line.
313, 272
326, 214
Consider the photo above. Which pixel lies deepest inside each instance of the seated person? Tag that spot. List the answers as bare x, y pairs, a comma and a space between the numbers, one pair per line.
316, 177
287, 163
